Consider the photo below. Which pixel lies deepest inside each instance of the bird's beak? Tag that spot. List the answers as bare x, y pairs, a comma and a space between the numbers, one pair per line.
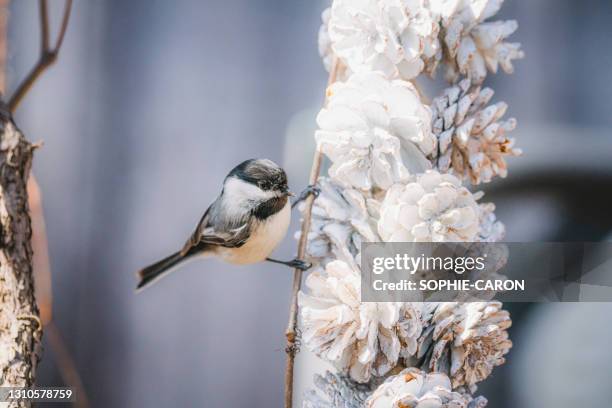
290, 194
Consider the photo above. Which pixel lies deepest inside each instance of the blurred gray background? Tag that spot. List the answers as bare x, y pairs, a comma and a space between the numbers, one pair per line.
152, 103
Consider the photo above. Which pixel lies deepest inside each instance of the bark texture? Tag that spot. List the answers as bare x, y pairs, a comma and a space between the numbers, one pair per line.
20, 325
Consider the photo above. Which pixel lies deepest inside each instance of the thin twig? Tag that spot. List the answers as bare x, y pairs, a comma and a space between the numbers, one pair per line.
44, 25
4, 6
48, 55
291, 332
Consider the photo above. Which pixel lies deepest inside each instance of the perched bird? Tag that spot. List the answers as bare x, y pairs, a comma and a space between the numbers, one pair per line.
243, 225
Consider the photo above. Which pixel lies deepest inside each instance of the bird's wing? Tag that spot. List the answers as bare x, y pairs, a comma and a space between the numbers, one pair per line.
214, 232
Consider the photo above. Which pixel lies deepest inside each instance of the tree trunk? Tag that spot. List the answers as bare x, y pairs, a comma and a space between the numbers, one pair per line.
20, 325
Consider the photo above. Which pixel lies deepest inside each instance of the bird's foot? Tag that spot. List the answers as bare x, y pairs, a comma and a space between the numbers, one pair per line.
310, 190
299, 264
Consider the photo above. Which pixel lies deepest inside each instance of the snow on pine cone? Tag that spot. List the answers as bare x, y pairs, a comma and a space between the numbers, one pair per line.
432, 208
472, 139
413, 388
372, 129
342, 218
396, 37
471, 45
335, 390
363, 340
465, 341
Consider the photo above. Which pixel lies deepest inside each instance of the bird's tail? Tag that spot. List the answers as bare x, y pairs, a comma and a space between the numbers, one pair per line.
154, 272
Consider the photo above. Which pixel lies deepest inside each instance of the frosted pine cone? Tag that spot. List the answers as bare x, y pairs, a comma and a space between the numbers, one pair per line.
471, 46
338, 391
410, 327
363, 340
465, 341
433, 208
358, 338
413, 388
372, 129
472, 140
342, 218
396, 37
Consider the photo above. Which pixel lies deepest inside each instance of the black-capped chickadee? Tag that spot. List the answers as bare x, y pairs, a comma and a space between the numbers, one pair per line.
243, 225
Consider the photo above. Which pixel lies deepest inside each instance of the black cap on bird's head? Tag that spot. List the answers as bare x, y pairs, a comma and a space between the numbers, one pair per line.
263, 173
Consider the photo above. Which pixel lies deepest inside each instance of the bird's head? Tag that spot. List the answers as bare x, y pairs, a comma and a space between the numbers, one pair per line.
269, 178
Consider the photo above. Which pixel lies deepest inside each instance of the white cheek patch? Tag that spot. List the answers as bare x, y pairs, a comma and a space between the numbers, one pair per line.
239, 194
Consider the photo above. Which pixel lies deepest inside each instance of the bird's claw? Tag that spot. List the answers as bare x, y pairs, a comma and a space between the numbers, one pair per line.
299, 264
309, 190
312, 189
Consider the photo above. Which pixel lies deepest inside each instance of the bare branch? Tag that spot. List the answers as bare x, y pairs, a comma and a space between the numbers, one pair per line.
20, 324
4, 4
21, 371
64, 26
47, 57
291, 331
44, 24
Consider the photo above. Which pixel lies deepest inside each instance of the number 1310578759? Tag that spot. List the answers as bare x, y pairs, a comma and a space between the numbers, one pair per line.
48, 394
